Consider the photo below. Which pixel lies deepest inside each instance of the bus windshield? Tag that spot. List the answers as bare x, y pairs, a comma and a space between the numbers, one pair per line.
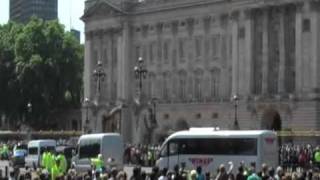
212, 146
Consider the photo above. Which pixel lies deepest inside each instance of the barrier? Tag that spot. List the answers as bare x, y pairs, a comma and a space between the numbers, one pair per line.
20, 135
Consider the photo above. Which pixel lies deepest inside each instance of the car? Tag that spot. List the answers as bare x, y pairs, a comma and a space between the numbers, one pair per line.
18, 158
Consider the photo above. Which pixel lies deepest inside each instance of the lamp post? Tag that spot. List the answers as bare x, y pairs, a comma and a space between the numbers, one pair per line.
29, 110
236, 123
86, 123
99, 75
140, 72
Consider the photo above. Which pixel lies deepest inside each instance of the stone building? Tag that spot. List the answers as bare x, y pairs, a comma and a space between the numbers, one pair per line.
199, 54
22, 10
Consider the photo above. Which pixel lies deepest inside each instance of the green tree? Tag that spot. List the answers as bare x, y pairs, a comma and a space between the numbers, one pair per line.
45, 69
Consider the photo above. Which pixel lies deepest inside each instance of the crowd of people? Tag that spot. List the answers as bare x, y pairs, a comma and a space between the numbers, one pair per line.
294, 157
295, 162
143, 155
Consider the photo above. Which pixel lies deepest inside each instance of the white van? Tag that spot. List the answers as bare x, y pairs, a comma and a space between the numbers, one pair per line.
208, 148
35, 150
109, 145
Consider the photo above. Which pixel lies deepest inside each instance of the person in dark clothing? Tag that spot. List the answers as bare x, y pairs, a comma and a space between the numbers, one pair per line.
154, 173
240, 175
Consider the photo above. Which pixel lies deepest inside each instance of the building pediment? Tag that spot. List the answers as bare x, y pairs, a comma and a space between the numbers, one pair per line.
102, 9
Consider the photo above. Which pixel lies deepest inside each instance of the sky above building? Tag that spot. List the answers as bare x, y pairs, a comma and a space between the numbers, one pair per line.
69, 13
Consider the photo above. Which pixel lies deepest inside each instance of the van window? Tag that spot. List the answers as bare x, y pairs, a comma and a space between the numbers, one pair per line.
89, 148
214, 146
33, 151
47, 148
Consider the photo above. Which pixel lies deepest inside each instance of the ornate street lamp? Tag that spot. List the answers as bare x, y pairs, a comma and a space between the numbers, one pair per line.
99, 75
140, 72
29, 107
235, 99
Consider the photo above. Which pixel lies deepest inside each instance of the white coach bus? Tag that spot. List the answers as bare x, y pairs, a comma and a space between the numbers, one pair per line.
208, 148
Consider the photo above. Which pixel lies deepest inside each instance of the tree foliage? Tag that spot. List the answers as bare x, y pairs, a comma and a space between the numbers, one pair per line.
40, 64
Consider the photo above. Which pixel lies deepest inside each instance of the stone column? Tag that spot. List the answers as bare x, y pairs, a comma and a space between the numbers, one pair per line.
298, 55
282, 54
265, 51
248, 25
314, 45
124, 82
87, 65
235, 54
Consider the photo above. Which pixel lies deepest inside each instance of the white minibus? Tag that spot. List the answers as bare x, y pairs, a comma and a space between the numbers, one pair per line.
35, 150
109, 145
208, 148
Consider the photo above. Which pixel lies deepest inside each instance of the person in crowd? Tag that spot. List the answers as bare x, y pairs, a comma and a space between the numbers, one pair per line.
264, 174
61, 159
163, 175
222, 174
98, 163
200, 176
253, 175
279, 173
136, 173
240, 175
193, 175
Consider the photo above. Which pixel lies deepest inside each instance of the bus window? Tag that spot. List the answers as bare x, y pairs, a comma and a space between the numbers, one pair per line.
164, 151
218, 146
173, 148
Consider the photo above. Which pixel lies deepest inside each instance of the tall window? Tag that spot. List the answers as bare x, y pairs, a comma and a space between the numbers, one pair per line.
181, 49
182, 84
151, 86
165, 92
198, 76
159, 51
166, 51
215, 43
198, 48
151, 52
214, 82
138, 52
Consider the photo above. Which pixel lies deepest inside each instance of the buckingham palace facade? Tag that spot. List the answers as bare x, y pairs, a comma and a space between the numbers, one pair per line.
221, 63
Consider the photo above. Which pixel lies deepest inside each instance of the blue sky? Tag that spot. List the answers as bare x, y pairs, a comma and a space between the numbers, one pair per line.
66, 9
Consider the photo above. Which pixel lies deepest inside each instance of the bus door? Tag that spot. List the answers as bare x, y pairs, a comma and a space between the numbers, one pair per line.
269, 150
173, 154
